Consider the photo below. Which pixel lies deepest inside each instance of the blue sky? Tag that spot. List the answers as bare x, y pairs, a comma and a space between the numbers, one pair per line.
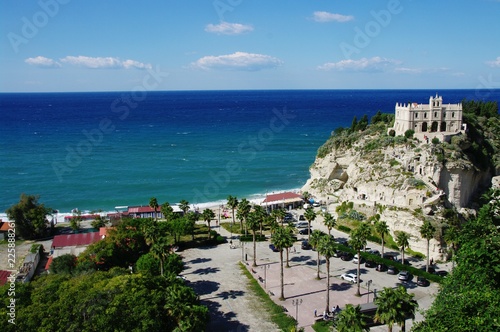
95, 45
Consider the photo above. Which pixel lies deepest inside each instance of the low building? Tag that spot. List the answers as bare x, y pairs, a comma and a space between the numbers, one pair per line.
73, 244
286, 200
143, 211
4, 276
4, 229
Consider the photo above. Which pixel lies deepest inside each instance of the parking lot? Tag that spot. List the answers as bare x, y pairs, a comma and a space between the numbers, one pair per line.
305, 294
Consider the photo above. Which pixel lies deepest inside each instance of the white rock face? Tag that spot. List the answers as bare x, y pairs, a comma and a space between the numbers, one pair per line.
410, 183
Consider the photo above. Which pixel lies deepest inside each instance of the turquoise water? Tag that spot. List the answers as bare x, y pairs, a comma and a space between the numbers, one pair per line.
100, 150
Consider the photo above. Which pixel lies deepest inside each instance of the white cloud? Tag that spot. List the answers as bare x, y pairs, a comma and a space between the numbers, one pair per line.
494, 63
41, 61
226, 28
237, 61
322, 17
363, 64
404, 70
103, 62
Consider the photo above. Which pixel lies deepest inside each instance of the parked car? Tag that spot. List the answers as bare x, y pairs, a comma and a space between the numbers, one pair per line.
381, 268
301, 224
337, 253
351, 277
301, 217
305, 245
346, 256
392, 270
441, 273
273, 248
431, 269
421, 281
404, 276
406, 262
370, 263
304, 231
355, 259
389, 257
374, 252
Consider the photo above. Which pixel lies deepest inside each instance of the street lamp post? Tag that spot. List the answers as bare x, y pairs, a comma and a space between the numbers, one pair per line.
265, 267
368, 283
296, 303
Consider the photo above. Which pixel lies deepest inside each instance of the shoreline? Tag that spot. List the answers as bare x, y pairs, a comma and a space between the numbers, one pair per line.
253, 199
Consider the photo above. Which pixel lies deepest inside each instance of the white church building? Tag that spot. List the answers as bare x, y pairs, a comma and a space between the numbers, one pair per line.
433, 119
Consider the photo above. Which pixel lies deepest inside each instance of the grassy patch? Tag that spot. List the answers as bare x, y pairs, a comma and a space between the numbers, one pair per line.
278, 316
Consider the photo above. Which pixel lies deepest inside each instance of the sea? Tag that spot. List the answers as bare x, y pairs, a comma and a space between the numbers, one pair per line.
97, 151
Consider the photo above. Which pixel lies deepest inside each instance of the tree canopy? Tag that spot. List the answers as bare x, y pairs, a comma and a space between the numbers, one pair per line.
30, 217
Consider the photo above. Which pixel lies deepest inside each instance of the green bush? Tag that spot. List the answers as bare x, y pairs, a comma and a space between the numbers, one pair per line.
409, 133
343, 228
435, 141
249, 238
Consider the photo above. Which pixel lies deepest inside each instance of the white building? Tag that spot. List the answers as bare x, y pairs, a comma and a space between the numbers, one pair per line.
434, 117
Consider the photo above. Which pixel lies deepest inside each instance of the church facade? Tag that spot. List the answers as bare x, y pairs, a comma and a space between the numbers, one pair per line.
434, 117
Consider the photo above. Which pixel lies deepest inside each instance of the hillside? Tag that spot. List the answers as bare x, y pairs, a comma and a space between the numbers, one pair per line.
407, 180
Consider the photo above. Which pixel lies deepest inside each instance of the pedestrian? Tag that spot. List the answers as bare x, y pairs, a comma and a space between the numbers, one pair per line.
315, 313
432, 261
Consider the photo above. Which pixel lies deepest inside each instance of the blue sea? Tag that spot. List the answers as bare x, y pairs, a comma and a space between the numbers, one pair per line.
96, 151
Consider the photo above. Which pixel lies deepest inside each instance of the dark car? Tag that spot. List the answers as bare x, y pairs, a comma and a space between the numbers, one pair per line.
337, 253
304, 231
370, 263
346, 256
421, 281
273, 248
381, 268
305, 245
301, 217
390, 257
431, 269
406, 262
441, 273
392, 270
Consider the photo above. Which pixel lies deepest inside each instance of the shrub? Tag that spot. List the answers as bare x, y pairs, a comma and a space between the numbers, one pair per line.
345, 229
409, 133
392, 133
435, 141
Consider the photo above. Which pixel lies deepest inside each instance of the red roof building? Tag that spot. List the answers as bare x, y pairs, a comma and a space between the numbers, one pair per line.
75, 240
3, 277
283, 200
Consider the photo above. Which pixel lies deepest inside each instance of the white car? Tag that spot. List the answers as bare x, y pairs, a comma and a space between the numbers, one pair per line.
351, 277
301, 224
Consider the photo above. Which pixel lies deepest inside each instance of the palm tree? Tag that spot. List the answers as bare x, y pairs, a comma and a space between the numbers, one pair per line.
365, 230
351, 319
316, 236
427, 230
289, 243
327, 247
253, 223
280, 240
407, 308
232, 202
184, 206
357, 242
244, 208
387, 308
160, 250
150, 231
153, 203
310, 215
167, 211
382, 229
279, 215
329, 221
261, 215
395, 306
402, 239
208, 215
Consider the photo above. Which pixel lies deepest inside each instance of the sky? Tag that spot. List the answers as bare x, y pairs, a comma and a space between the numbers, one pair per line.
125, 45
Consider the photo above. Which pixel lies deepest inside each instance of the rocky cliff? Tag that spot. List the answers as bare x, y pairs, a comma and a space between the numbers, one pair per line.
405, 180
